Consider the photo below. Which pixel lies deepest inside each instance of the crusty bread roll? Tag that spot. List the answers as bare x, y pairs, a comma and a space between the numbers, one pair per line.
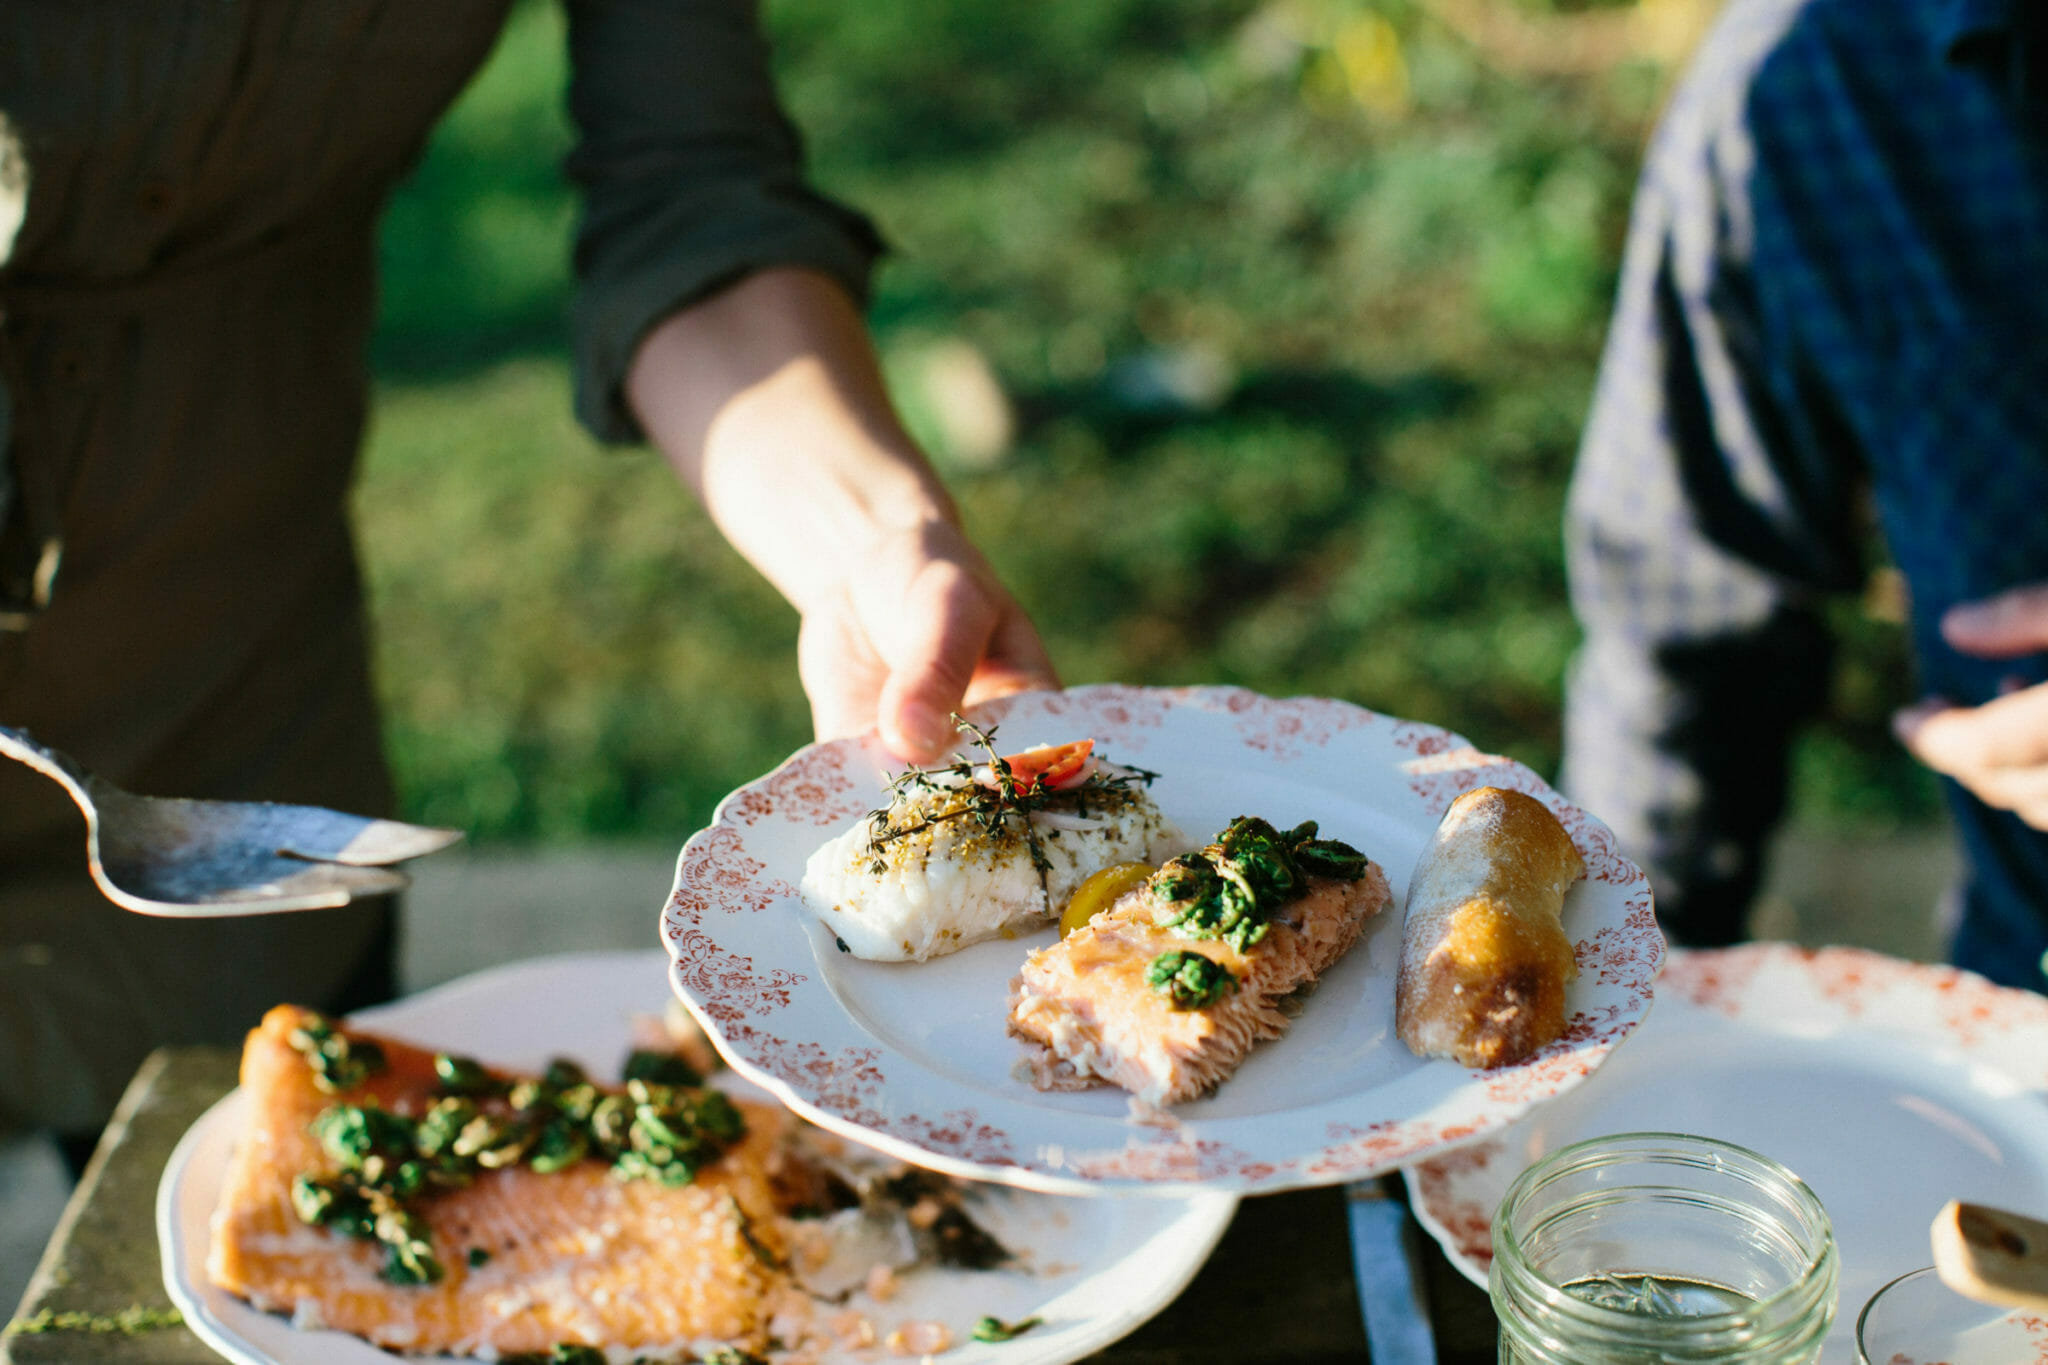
1484, 956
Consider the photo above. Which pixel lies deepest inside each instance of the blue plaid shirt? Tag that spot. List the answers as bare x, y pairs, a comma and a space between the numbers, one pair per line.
1832, 305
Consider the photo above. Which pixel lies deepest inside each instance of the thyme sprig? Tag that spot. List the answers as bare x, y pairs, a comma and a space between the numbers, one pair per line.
1005, 801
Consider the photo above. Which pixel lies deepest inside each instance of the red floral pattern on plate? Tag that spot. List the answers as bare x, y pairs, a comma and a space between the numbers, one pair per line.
1629, 951
745, 951
1177, 1160
718, 873
813, 787
1464, 1225
1857, 984
1284, 728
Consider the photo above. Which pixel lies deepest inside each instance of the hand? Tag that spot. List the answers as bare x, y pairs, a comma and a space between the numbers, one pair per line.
768, 401
1998, 751
917, 629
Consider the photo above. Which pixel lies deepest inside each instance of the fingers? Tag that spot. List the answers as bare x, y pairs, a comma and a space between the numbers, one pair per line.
1016, 662
947, 620
921, 630
2011, 623
1998, 751
840, 670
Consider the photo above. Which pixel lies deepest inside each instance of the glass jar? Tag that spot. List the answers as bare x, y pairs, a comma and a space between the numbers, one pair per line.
1917, 1317
1660, 1247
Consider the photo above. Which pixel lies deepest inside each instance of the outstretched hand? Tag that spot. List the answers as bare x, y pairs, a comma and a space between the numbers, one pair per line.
767, 399
1998, 751
918, 629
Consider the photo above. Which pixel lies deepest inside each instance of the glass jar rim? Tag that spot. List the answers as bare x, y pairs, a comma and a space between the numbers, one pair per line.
1813, 1278
1893, 1283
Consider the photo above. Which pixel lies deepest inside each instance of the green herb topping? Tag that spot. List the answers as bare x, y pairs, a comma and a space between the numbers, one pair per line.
663, 1068
464, 1076
565, 1353
1001, 806
995, 1329
1231, 889
1189, 980
338, 1061
387, 1162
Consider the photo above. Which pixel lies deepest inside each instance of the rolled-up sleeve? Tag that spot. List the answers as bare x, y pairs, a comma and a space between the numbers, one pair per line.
691, 177
1712, 506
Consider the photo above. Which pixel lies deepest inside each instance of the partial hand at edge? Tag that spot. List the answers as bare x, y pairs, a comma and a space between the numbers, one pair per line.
1998, 751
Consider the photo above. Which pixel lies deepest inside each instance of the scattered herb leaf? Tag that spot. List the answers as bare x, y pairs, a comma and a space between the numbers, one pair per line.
130, 1321
995, 1329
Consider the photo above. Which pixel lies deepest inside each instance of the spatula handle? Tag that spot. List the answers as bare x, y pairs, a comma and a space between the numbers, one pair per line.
1992, 1255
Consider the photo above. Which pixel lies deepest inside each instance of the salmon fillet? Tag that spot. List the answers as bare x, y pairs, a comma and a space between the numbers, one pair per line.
1086, 1007
574, 1256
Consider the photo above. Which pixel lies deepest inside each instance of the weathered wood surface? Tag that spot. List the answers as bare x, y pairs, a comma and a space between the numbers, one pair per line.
102, 1259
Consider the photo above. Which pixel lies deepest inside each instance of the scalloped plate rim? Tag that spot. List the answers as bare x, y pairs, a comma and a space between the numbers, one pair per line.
1430, 740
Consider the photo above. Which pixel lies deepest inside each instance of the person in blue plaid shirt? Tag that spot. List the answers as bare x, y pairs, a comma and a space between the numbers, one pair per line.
1830, 313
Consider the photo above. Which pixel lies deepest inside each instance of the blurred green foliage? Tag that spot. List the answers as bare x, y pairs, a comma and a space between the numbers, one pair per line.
1298, 305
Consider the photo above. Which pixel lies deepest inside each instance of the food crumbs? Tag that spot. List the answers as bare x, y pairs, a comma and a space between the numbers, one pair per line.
922, 1337
881, 1283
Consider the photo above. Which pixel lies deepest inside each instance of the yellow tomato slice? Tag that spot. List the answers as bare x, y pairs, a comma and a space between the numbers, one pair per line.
1100, 891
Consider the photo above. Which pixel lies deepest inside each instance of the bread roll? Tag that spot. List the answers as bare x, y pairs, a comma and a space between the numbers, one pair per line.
1484, 956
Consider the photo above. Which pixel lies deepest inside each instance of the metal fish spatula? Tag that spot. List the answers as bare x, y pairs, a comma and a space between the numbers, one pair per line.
193, 859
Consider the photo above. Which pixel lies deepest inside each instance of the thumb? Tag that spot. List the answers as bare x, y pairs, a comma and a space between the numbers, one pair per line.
1016, 661
942, 633
2000, 627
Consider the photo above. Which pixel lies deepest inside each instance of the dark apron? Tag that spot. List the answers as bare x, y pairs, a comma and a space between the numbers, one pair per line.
193, 630
186, 316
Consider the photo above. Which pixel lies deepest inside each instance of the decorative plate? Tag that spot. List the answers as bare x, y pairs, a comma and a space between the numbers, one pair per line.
913, 1058
1890, 1087
1095, 1269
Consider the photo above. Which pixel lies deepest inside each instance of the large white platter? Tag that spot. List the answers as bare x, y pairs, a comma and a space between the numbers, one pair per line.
1889, 1087
913, 1058
1093, 1269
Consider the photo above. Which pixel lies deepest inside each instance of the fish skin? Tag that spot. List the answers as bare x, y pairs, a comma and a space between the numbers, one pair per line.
574, 1256
1084, 1006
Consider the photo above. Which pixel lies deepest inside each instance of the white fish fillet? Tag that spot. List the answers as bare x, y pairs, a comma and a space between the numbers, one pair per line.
954, 883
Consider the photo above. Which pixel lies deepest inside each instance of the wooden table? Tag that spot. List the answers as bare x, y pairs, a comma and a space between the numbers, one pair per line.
1277, 1291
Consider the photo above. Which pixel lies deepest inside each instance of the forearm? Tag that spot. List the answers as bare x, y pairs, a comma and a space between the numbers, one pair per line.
767, 400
